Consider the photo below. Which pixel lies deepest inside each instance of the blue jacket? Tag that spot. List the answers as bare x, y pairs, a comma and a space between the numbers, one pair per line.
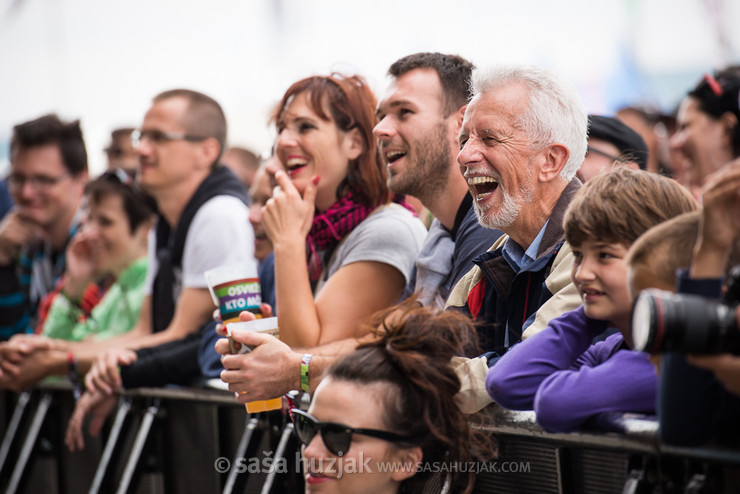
496, 297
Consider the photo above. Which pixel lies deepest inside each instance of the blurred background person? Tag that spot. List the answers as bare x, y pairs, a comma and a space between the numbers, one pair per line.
708, 135
652, 127
111, 244
120, 153
610, 143
48, 173
243, 162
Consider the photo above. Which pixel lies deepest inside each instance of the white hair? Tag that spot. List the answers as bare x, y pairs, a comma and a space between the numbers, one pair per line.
555, 112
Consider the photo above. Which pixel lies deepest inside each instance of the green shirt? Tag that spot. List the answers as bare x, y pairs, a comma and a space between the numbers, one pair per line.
116, 313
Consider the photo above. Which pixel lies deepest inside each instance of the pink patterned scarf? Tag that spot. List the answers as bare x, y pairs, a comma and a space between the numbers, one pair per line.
329, 228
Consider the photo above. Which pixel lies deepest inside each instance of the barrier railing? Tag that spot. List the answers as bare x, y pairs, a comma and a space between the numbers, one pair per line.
201, 440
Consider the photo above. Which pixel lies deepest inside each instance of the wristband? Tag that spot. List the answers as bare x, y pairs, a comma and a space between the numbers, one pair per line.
74, 375
305, 381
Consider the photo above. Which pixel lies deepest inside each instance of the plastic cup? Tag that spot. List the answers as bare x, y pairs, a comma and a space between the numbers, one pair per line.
267, 325
235, 288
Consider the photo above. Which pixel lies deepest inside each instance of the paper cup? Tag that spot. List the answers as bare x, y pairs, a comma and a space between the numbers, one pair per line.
235, 288
267, 325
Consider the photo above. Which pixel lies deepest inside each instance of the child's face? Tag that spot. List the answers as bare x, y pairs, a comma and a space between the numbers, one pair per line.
600, 275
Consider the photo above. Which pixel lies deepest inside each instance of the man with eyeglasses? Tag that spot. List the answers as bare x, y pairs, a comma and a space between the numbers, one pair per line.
48, 172
611, 143
202, 223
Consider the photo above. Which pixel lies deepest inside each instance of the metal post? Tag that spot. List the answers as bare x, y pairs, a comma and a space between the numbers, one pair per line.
287, 432
123, 408
33, 432
141, 435
241, 450
15, 421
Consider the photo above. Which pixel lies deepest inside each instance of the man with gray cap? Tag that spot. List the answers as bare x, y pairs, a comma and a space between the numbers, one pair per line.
610, 142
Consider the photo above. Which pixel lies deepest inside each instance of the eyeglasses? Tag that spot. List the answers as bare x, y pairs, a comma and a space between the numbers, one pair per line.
337, 437
159, 137
38, 182
589, 149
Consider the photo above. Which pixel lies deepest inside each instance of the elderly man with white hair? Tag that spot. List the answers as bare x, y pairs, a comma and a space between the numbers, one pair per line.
522, 141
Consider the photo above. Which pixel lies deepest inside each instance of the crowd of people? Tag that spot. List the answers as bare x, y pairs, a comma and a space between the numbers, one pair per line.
546, 225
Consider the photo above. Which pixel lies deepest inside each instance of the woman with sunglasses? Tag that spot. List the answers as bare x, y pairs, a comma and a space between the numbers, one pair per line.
333, 211
109, 249
708, 134
390, 406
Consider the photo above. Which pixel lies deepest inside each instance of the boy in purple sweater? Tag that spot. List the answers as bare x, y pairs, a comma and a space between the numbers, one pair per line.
558, 372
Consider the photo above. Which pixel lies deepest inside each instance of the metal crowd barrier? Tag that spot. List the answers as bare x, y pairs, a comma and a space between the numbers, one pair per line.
182, 440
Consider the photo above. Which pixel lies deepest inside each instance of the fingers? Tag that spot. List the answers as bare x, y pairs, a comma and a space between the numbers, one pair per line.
266, 310
73, 437
245, 315
104, 376
284, 182
96, 424
309, 195
222, 346
94, 383
251, 338
709, 362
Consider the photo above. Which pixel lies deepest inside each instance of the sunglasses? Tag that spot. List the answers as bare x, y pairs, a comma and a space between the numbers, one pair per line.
337, 437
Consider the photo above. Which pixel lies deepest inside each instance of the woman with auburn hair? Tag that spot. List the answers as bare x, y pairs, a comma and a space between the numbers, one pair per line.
332, 211
391, 405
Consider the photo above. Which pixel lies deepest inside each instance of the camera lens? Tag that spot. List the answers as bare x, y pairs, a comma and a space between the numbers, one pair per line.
666, 322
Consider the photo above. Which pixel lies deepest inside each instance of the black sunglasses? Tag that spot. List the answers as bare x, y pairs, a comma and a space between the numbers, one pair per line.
337, 437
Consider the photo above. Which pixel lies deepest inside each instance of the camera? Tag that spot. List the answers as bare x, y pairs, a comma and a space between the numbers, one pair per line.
668, 322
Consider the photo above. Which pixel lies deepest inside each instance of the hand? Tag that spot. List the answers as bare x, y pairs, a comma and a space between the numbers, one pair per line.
657, 361
726, 368
720, 221
265, 309
98, 406
270, 370
33, 368
14, 352
14, 233
287, 216
104, 375
80, 263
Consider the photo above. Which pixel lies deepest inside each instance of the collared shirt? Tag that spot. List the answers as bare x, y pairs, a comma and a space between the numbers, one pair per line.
517, 257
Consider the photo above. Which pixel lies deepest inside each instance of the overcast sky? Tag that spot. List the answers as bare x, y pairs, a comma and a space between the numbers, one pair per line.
102, 61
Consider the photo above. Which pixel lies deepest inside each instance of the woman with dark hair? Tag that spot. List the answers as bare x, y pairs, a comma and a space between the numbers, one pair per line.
110, 246
708, 134
390, 406
332, 209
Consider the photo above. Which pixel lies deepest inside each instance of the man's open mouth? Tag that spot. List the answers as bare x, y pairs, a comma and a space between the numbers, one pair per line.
483, 186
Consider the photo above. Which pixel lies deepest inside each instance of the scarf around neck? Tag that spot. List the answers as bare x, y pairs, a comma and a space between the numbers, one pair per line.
330, 227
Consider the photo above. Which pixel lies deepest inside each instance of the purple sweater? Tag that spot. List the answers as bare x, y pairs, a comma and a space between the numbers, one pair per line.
566, 380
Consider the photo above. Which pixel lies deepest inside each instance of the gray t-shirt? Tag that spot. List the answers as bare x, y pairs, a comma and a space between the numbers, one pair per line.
391, 235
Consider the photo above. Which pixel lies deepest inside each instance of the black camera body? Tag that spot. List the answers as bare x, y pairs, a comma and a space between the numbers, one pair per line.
668, 322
